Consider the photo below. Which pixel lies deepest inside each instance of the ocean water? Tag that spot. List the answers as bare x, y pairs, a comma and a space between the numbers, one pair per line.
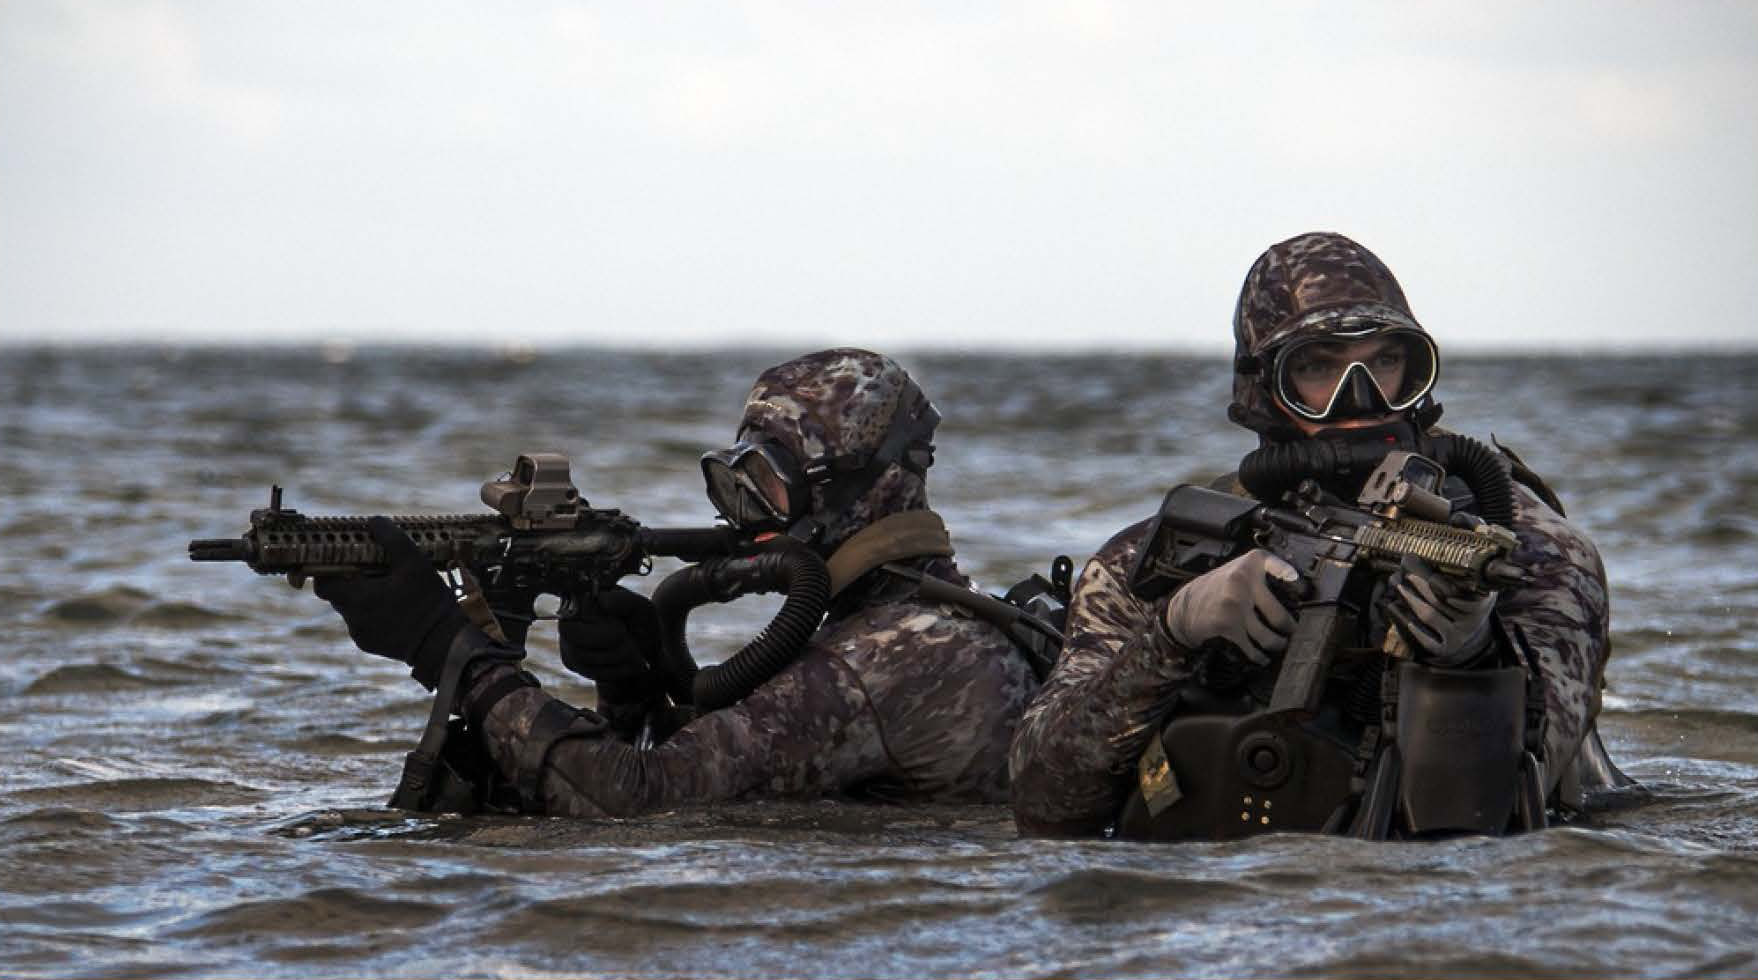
196, 759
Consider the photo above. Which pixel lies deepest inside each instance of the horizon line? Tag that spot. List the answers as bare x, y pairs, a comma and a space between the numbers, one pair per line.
518, 350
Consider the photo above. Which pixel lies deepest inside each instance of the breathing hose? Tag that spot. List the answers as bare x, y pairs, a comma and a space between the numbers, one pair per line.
1270, 471
797, 571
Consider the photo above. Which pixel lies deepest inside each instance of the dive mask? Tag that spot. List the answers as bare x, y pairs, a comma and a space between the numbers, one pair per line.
755, 484
1355, 373
759, 484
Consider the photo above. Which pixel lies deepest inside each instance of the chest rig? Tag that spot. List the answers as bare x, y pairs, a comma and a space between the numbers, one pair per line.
1362, 740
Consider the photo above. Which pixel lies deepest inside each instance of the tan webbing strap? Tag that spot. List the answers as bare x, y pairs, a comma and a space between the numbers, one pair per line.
911, 534
1036, 640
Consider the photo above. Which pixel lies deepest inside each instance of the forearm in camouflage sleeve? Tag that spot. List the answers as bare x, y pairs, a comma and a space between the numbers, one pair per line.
1564, 614
1075, 753
808, 731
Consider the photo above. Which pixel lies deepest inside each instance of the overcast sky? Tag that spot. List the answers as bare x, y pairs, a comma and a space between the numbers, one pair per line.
1072, 174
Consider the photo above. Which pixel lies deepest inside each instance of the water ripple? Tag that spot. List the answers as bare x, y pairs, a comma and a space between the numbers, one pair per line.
197, 758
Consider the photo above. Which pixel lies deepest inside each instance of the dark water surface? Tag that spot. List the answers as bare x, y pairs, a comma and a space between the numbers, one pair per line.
196, 758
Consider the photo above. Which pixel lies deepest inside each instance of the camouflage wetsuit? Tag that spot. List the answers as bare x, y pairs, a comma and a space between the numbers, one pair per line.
894, 697
899, 699
1074, 759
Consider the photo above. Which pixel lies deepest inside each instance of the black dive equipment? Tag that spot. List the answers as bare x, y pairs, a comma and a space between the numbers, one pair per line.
1342, 460
785, 566
756, 483
1362, 370
1344, 733
1032, 614
1456, 755
759, 485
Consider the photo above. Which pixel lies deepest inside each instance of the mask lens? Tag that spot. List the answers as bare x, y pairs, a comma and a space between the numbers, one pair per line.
1320, 379
745, 486
768, 484
724, 491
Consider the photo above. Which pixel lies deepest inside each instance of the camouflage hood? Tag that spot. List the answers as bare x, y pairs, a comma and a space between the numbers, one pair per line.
1308, 286
836, 403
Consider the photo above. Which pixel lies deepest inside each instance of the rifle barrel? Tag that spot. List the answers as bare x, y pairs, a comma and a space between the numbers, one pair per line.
220, 549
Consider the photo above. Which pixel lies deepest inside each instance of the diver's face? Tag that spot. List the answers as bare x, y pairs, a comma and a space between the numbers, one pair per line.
1316, 369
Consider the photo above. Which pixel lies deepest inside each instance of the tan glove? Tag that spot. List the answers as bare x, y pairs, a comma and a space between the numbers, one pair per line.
1236, 603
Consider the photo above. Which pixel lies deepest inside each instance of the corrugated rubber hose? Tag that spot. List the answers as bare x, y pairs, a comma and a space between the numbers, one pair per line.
1270, 471
796, 571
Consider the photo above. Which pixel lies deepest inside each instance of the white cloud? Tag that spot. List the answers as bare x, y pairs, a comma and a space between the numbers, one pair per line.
150, 52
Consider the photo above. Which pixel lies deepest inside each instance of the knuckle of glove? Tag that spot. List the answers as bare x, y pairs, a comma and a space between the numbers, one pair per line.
1424, 641
1237, 634
1409, 600
1233, 608
1249, 569
1178, 618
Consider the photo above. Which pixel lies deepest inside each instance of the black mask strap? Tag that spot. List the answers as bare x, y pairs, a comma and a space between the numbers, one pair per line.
844, 480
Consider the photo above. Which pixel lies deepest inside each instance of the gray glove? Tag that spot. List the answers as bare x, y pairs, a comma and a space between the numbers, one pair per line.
1445, 620
1236, 603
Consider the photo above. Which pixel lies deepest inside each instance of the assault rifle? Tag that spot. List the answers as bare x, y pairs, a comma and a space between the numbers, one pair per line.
1338, 549
543, 538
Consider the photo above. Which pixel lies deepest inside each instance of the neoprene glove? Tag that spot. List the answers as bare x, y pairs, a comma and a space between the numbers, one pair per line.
609, 640
407, 615
1236, 602
1445, 620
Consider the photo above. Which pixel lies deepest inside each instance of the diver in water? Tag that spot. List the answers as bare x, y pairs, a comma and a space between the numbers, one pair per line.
1327, 355
894, 696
